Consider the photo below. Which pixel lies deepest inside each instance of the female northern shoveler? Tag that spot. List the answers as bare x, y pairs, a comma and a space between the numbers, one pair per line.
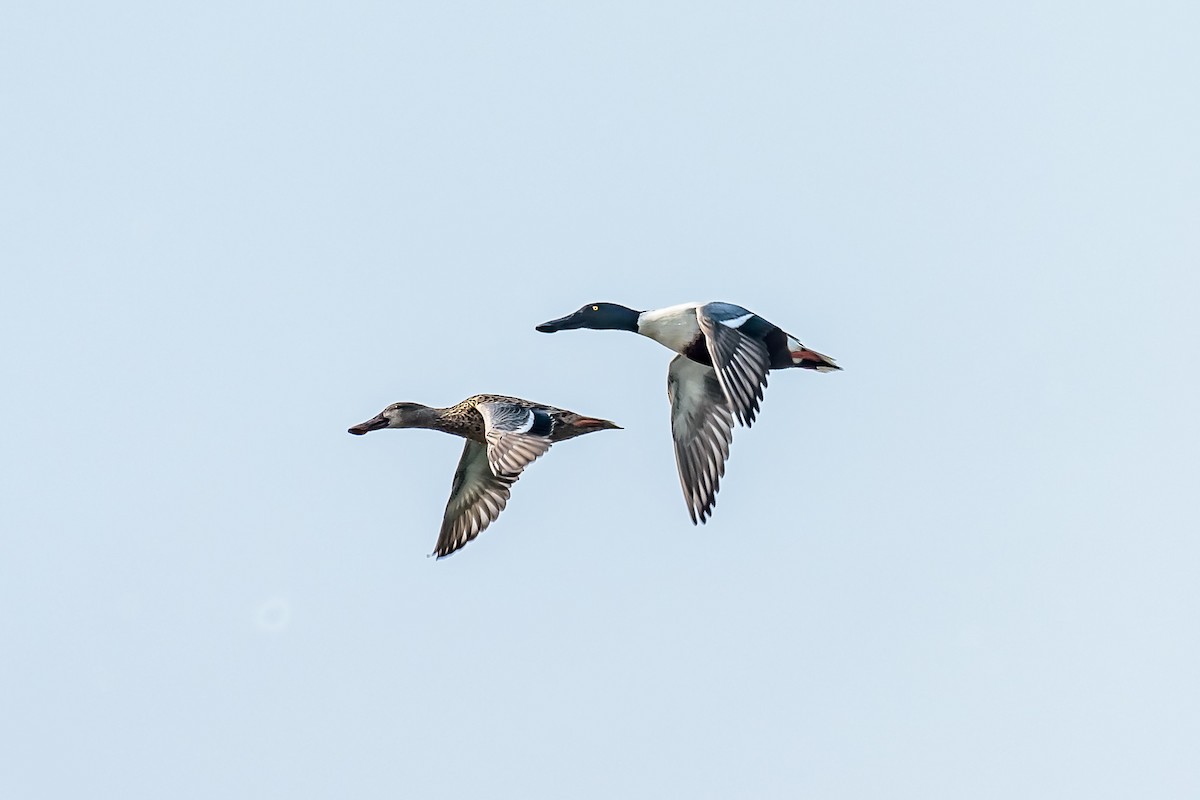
504, 435
725, 353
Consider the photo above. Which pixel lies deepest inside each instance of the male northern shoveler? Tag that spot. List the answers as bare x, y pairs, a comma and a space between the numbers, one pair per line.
504, 435
725, 353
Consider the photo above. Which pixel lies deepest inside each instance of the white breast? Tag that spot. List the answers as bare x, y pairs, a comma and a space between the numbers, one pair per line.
674, 327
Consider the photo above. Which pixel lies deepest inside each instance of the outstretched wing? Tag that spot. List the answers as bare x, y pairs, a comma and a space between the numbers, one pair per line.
515, 435
741, 361
477, 497
702, 427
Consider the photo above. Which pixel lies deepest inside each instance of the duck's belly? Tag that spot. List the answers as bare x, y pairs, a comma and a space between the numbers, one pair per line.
674, 327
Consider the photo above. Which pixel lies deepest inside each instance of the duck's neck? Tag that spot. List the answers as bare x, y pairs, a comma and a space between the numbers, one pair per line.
426, 417
674, 327
457, 420
625, 319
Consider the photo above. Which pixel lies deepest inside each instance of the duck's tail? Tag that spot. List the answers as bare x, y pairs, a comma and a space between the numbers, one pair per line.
809, 359
589, 424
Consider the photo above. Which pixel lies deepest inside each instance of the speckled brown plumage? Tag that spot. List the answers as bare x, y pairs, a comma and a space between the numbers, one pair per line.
463, 419
504, 435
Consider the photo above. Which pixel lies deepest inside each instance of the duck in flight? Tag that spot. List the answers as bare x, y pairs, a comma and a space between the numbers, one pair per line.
504, 435
725, 353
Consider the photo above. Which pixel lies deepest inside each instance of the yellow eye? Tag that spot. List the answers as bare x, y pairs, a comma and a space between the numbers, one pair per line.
595, 308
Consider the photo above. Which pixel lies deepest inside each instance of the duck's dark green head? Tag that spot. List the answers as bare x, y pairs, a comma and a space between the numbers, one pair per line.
597, 316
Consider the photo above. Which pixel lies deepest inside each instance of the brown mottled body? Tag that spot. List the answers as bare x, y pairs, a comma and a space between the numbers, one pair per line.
504, 435
463, 419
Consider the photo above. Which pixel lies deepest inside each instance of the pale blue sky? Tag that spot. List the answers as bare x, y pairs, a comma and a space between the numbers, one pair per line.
965, 567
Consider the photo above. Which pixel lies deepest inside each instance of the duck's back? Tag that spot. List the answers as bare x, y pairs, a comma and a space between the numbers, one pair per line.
551, 422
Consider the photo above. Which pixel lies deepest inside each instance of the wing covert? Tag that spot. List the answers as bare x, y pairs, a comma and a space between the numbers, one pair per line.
741, 363
510, 432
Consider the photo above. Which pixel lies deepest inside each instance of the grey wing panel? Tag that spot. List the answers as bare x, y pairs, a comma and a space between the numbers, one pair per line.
726, 311
511, 446
741, 362
702, 428
477, 497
